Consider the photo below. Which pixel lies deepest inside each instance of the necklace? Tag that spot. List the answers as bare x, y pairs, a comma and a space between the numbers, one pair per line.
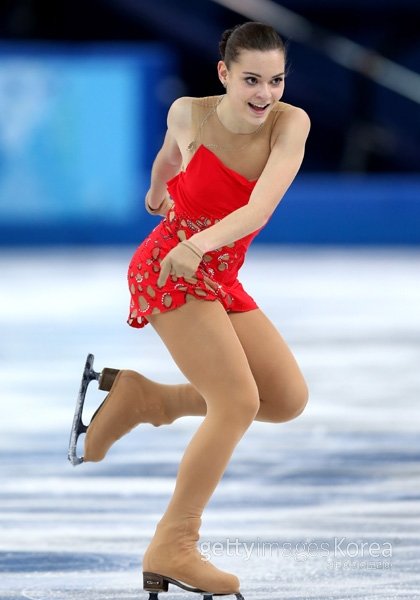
193, 145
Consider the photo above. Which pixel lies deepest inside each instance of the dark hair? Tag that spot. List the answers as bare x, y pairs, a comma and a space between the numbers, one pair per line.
248, 36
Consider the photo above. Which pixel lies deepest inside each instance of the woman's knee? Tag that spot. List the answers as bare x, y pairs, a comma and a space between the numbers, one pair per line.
299, 401
239, 404
286, 405
246, 403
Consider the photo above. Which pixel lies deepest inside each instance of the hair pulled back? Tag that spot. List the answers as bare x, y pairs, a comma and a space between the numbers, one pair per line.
248, 36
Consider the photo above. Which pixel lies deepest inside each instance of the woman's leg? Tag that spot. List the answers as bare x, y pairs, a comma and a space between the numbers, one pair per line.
282, 389
136, 399
281, 386
204, 345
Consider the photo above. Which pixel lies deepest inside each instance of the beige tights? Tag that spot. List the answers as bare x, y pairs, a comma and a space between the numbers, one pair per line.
205, 347
183, 400
281, 387
239, 370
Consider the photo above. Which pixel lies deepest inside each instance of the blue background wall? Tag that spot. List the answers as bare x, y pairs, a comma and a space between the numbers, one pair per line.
79, 129
78, 133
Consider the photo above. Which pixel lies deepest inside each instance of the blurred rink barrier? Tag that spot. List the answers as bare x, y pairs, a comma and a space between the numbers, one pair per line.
79, 130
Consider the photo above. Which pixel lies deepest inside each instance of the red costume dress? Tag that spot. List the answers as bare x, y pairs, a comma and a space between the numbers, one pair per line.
204, 193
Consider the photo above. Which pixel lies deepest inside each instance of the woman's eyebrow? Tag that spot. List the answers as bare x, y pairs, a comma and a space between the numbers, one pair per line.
258, 75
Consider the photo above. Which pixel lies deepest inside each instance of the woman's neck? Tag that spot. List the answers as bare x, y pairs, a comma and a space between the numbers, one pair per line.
227, 118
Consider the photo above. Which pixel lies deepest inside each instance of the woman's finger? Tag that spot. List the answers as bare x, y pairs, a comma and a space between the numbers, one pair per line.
165, 269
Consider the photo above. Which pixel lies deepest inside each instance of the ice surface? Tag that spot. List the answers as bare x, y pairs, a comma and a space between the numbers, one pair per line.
326, 506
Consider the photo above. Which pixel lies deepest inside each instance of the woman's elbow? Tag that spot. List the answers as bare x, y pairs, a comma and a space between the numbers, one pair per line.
260, 216
263, 218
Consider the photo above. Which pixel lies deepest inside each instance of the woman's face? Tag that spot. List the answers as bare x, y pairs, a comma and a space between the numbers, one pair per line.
255, 82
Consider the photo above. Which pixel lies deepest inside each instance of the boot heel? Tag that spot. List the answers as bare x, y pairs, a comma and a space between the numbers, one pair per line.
152, 582
107, 378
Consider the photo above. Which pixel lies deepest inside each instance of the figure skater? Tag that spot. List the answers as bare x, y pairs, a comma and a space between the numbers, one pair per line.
224, 166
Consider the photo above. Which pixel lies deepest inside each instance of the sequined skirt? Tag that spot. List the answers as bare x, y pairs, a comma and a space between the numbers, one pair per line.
215, 279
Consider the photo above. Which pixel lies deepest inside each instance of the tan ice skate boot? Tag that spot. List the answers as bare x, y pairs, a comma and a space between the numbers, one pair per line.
172, 557
132, 400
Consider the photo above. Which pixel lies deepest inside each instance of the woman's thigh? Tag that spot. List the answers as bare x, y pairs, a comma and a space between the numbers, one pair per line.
282, 389
203, 343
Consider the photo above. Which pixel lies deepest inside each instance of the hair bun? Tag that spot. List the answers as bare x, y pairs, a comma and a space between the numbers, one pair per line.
224, 39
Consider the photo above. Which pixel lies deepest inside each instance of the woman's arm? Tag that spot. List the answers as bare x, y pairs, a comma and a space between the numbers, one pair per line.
169, 159
282, 166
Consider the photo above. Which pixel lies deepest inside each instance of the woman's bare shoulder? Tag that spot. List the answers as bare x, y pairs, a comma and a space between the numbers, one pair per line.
180, 112
289, 120
288, 111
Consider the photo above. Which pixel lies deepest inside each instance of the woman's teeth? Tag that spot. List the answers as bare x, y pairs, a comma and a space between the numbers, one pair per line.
258, 107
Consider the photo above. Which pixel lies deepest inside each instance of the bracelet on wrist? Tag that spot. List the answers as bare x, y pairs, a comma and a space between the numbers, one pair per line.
153, 211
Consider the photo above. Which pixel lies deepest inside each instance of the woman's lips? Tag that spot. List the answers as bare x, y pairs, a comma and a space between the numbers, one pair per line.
258, 108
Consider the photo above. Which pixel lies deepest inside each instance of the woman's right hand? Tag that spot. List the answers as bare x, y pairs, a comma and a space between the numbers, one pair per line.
182, 261
162, 210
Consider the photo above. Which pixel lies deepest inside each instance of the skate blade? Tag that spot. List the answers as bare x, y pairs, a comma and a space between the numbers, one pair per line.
155, 583
78, 426
154, 595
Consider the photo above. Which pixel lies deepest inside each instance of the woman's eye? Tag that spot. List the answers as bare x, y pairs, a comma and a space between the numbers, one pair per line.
251, 80
277, 80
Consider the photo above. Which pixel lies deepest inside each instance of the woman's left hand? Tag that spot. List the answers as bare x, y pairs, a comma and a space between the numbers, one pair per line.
181, 261
162, 210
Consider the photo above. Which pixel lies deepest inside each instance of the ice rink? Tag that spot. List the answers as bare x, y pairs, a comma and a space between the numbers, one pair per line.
323, 507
